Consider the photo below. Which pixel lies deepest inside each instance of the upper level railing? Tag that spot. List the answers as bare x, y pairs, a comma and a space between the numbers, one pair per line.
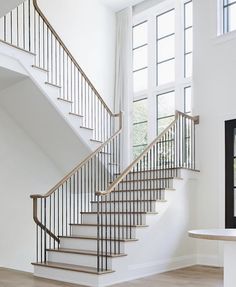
27, 28
143, 182
65, 203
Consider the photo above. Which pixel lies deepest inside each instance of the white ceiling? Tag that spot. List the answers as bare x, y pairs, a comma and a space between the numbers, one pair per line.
117, 5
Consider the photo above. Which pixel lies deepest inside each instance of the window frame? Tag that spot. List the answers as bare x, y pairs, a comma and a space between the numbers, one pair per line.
150, 15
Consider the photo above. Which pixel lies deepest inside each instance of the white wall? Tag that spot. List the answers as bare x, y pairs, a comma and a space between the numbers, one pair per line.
215, 101
7, 6
87, 27
24, 170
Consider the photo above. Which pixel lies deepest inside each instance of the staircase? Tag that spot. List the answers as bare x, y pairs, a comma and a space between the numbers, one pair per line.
100, 218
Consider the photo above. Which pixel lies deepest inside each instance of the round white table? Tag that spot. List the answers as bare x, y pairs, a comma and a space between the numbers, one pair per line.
229, 238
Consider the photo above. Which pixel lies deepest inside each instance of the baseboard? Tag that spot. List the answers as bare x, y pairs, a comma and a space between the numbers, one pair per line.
151, 268
209, 260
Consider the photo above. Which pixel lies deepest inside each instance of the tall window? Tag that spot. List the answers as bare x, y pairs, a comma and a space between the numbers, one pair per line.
188, 100
140, 57
188, 38
229, 15
165, 110
166, 47
139, 126
162, 68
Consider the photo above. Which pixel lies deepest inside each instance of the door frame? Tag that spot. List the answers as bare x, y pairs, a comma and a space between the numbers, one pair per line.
230, 219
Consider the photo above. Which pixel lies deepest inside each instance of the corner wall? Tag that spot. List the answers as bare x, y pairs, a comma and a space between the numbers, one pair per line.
215, 101
88, 28
24, 170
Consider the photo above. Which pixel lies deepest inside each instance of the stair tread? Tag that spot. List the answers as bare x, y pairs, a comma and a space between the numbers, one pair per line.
108, 225
149, 179
123, 212
85, 252
133, 200
150, 189
72, 267
160, 170
95, 238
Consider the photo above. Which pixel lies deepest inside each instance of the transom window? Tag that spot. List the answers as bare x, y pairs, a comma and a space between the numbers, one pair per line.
162, 68
229, 15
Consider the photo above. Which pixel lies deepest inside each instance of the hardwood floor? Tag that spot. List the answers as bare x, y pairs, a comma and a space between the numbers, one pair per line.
196, 276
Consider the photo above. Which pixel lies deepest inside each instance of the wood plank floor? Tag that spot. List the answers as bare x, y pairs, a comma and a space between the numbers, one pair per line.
196, 276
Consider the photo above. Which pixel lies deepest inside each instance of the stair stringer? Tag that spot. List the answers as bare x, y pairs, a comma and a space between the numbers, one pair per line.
33, 87
161, 246
21, 61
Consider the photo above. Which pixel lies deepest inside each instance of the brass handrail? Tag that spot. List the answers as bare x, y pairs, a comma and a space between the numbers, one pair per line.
52, 190
70, 55
129, 168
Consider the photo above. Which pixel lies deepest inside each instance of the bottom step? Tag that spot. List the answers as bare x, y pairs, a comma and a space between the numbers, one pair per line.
74, 268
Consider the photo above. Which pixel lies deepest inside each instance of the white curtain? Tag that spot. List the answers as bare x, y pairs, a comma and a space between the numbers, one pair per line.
123, 75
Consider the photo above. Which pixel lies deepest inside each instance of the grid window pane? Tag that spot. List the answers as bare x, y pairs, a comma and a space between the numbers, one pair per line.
166, 48
235, 172
166, 24
188, 14
188, 40
165, 104
232, 17
138, 150
187, 99
235, 142
166, 72
163, 123
140, 35
140, 58
188, 65
140, 134
140, 80
140, 112
226, 2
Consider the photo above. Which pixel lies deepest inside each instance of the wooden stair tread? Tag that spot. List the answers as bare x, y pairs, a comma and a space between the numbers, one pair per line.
95, 238
149, 179
146, 190
85, 252
108, 225
116, 212
132, 200
72, 267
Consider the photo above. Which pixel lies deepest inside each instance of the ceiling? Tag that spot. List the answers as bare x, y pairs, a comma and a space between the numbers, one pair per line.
117, 5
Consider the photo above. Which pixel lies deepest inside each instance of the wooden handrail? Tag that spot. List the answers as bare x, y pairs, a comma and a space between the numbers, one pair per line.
129, 168
70, 55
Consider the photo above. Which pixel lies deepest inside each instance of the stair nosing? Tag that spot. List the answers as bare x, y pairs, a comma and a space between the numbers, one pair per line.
116, 212
108, 225
85, 252
133, 200
76, 115
39, 68
72, 267
95, 238
53, 85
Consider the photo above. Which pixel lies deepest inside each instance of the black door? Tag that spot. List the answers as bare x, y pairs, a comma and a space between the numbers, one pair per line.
230, 174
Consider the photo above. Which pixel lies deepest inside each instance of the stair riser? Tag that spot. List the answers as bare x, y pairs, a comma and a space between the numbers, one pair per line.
136, 195
84, 279
154, 174
89, 244
76, 259
149, 184
120, 219
110, 231
125, 206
